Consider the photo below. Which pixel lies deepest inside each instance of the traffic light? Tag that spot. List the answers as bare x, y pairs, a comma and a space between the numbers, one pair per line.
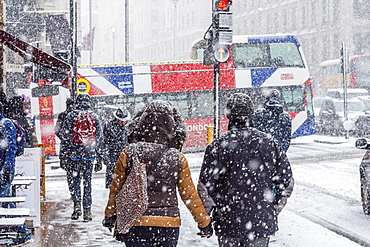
219, 35
223, 5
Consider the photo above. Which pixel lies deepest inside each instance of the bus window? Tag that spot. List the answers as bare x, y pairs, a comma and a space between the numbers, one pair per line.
285, 54
293, 98
202, 104
180, 100
274, 55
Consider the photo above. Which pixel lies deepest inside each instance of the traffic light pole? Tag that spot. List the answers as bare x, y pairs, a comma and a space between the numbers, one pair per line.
73, 57
216, 95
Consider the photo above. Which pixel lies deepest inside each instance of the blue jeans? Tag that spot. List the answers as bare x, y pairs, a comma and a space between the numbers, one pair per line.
76, 171
5, 191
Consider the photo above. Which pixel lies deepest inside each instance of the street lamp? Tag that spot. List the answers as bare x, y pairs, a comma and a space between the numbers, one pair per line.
175, 29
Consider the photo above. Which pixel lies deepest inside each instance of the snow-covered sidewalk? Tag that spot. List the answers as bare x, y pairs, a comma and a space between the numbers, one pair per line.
59, 230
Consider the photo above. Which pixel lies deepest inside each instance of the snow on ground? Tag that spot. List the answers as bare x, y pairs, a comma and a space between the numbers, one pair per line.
294, 230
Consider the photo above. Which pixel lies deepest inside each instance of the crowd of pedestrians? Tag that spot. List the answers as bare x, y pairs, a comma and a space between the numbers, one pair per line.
244, 182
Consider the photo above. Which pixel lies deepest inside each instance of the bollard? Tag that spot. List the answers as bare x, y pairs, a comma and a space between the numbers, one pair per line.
210, 134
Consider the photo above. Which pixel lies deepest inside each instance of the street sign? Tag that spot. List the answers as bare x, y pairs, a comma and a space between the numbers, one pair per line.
221, 53
225, 37
45, 91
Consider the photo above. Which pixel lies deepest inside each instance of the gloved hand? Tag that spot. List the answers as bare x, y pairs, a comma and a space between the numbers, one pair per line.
106, 159
109, 222
98, 166
206, 231
63, 164
6, 178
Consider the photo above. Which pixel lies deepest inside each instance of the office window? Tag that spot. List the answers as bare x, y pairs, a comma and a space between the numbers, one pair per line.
336, 10
325, 10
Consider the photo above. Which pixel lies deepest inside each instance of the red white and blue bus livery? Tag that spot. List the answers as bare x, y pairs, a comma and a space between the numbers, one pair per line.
256, 64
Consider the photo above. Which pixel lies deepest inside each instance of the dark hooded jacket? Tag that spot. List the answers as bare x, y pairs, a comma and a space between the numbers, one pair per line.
154, 130
275, 121
62, 116
70, 150
15, 111
239, 170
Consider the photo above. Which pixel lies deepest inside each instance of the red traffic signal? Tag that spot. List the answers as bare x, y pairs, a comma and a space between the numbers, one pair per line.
223, 5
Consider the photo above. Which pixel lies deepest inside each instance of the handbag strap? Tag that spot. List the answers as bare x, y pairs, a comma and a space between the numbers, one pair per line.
157, 161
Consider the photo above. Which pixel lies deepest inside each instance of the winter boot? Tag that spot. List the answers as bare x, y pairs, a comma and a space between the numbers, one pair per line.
76, 212
87, 216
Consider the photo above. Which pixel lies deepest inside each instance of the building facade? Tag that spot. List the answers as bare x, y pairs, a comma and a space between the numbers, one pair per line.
321, 25
163, 30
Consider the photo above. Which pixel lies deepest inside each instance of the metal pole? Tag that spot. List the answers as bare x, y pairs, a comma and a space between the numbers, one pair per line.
72, 61
90, 27
216, 95
127, 33
175, 29
344, 74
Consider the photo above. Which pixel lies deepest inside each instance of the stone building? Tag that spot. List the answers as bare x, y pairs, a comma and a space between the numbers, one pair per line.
321, 25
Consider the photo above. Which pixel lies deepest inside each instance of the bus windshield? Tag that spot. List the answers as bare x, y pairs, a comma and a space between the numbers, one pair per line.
274, 55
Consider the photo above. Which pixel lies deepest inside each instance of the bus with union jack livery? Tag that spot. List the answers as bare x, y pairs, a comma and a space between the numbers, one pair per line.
358, 75
256, 65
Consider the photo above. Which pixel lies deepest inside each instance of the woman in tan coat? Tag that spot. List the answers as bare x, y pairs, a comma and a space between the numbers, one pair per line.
157, 129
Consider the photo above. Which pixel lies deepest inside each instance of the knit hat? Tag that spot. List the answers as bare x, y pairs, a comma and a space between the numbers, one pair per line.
274, 96
239, 106
122, 114
83, 101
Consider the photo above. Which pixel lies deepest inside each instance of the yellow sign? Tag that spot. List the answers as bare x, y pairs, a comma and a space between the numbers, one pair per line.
83, 85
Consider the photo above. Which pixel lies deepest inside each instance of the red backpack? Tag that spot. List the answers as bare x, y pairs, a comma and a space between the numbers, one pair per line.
84, 129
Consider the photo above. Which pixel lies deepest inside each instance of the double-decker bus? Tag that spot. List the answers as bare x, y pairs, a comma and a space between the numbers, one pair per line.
256, 65
358, 75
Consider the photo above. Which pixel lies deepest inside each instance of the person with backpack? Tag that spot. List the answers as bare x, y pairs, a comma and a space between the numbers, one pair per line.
115, 138
8, 153
142, 204
82, 137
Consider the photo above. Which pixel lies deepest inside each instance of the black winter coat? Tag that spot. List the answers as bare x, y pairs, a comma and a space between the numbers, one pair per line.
274, 120
239, 170
115, 138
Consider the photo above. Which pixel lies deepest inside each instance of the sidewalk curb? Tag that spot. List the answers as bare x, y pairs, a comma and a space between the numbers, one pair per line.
331, 142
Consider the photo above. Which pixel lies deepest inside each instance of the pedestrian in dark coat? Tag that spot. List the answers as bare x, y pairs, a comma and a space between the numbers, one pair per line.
273, 120
58, 132
8, 135
81, 157
16, 112
115, 138
159, 225
238, 171
62, 116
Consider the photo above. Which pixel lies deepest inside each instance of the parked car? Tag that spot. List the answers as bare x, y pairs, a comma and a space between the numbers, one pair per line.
365, 174
331, 115
351, 93
362, 122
